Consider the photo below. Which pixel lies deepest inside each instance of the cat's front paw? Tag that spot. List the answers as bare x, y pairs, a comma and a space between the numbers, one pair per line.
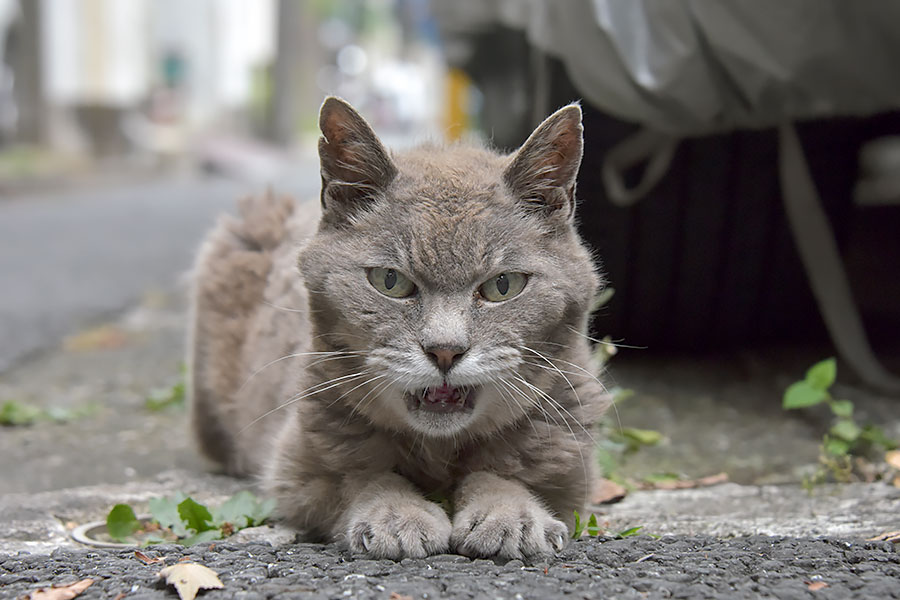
414, 529
523, 529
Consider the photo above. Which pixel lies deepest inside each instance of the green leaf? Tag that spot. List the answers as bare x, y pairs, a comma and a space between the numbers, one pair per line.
265, 509
165, 512
620, 395
603, 298
201, 537
16, 413
842, 408
579, 526
237, 510
121, 522
846, 430
645, 437
629, 532
802, 395
836, 447
875, 435
195, 515
822, 374
592, 527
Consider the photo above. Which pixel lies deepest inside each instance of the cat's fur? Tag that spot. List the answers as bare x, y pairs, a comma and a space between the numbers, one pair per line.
301, 376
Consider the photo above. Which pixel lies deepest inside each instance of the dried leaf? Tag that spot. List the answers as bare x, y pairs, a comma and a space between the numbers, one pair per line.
105, 337
396, 596
815, 586
892, 458
62, 592
149, 560
712, 479
607, 492
890, 536
120, 595
189, 578
685, 484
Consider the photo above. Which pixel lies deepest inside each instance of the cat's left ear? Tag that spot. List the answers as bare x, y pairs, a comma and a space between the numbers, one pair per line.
355, 166
543, 171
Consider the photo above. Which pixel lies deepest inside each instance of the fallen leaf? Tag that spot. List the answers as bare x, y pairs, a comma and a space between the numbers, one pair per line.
149, 560
396, 596
815, 586
607, 492
120, 595
189, 578
892, 457
105, 337
713, 479
896, 482
890, 536
62, 592
685, 484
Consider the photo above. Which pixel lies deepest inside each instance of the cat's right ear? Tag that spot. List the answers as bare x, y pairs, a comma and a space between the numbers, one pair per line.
542, 172
355, 166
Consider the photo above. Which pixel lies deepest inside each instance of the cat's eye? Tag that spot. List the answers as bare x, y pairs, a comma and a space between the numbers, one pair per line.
391, 282
503, 286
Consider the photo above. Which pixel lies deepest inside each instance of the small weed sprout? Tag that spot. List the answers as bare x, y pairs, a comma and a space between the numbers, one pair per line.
592, 528
845, 438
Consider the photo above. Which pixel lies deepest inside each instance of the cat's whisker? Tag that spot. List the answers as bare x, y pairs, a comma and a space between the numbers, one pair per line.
284, 308
510, 401
342, 355
546, 368
285, 357
359, 404
557, 406
557, 369
604, 342
531, 401
581, 369
312, 391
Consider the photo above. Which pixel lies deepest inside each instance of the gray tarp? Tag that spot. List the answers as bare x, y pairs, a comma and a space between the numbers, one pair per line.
688, 67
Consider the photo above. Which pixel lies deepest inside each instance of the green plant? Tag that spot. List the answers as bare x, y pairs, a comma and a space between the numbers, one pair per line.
14, 413
845, 437
183, 520
593, 529
615, 443
162, 398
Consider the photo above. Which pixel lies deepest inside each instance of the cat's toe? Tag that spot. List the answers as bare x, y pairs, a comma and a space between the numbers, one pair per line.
397, 532
528, 533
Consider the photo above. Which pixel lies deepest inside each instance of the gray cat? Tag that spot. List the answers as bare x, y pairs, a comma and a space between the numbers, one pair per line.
431, 344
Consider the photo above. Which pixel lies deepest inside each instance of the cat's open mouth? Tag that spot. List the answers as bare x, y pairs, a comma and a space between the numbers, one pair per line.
442, 399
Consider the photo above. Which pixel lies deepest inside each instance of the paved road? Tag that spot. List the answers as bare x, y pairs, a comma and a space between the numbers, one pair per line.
69, 257
642, 567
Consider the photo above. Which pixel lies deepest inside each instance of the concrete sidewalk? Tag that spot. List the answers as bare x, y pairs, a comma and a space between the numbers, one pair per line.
41, 522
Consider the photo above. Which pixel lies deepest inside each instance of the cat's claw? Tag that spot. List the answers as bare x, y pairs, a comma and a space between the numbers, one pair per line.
414, 530
526, 532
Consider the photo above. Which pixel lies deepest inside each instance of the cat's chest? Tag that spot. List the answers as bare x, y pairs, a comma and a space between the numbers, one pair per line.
438, 465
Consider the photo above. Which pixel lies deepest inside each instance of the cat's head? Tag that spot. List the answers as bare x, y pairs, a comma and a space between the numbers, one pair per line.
454, 271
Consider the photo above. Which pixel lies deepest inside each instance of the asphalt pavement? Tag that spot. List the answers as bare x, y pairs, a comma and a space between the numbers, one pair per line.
638, 567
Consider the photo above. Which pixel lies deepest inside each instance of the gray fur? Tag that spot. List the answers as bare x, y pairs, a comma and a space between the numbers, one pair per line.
328, 428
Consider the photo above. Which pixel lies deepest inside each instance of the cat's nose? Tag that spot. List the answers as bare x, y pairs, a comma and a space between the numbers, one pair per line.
445, 357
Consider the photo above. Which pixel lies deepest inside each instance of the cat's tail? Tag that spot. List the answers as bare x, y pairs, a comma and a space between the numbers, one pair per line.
229, 281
